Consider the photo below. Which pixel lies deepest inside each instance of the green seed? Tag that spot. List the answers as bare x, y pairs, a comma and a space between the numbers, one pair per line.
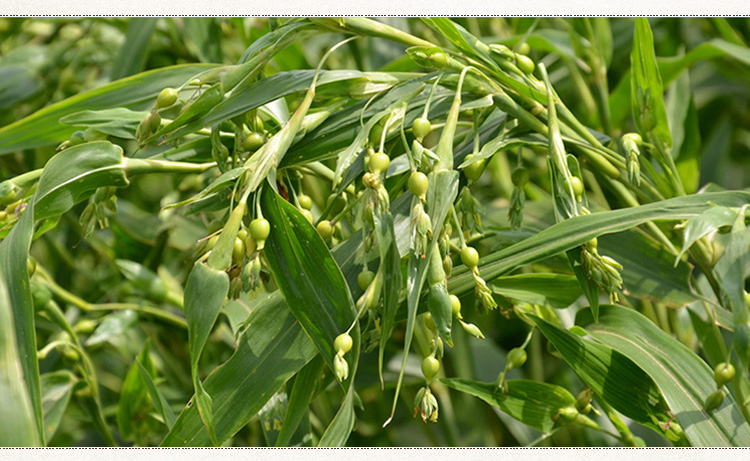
516, 358
421, 127
260, 229
166, 98
212, 242
379, 163
242, 234
523, 48
325, 229
525, 64
250, 245
430, 367
365, 278
307, 215
238, 252
305, 201
474, 170
723, 373
343, 343
592, 244
439, 60
470, 257
575, 183
154, 120
253, 142
568, 414
520, 176
455, 306
714, 401
418, 184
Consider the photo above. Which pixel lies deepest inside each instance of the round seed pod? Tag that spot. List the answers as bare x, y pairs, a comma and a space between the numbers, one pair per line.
723, 373
592, 244
364, 279
238, 252
379, 162
474, 170
470, 257
211, 242
343, 343
260, 229
242, 234
421, 127
520, 176
325, 229
525, 64
516, 358
568, 414
455, 306
575, 183
253, 142
714, 401
166, 98
439, 60
305, 201
430, 367
523, 48
154, 120
418, 184
307, 215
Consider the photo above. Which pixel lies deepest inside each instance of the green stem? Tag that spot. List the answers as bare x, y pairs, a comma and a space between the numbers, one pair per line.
135, 166
85, 306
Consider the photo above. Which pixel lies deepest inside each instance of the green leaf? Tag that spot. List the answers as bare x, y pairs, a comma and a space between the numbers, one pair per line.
133, 52
671, 67
648, 270
686, 136
303, 388
137, 92
576, 231
309, 278
73, 175
557, 291
683, 378
271, 350
707, 222
118, 122
533, 403
205, 291
19, 426
206, 37
113, 326
440, 197
647, 91
159, 401
609, 373
57, 387
17, 84
338, 431
133, 398
390, 266
19, 368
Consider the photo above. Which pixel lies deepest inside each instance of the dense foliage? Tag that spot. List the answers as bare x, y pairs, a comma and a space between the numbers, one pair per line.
346, 231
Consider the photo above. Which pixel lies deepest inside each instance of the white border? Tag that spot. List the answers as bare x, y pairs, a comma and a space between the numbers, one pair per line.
374, 8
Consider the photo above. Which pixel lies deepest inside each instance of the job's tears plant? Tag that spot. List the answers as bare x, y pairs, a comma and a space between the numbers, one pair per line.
440, 234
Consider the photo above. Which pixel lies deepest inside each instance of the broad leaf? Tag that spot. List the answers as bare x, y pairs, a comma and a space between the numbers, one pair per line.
308, 277
136, 92
533, 403
683, 378
269, 351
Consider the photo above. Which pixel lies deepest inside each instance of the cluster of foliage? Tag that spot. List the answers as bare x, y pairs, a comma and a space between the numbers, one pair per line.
409, 231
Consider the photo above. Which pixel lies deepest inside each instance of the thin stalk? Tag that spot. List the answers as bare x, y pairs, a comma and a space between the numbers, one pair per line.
85, 306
